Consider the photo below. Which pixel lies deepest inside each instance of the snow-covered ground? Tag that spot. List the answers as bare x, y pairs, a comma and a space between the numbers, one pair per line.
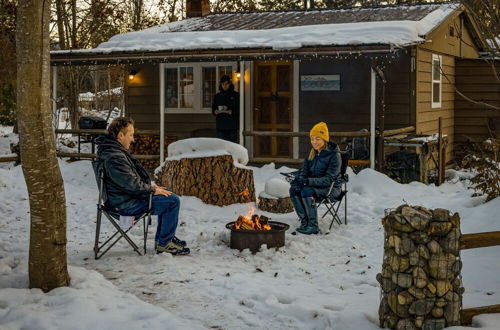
314, 282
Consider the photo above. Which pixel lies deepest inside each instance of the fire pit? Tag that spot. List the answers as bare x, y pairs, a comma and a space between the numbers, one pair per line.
271, 233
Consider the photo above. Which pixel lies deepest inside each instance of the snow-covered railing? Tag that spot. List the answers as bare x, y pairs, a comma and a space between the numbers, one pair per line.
473, 241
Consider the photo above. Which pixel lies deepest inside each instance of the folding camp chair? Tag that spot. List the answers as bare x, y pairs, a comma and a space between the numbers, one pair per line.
114, 218
332, 203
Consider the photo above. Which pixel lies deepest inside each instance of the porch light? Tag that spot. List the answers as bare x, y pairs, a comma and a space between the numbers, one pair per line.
132, 74
238, 71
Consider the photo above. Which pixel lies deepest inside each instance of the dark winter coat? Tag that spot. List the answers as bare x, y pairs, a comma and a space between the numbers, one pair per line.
125, 179
231, 99
322, 170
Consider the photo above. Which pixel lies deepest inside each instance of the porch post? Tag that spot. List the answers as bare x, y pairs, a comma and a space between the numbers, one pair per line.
242, 101
54, 97
162, 114
372, 119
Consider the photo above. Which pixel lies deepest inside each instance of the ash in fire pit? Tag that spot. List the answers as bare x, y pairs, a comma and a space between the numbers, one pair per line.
252, 233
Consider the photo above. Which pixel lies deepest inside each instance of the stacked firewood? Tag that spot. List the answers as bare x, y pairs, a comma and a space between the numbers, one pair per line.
254, 223
146, 144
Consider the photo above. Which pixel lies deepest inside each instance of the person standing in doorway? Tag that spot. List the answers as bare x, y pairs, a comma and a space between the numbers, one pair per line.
226, 109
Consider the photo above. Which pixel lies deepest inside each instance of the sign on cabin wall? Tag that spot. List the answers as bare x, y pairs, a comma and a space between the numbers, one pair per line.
320, 83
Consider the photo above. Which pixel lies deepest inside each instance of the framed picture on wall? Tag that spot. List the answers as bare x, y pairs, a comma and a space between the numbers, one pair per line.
322, 82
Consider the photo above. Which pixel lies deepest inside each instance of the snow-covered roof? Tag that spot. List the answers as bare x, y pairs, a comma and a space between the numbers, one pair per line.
396, 26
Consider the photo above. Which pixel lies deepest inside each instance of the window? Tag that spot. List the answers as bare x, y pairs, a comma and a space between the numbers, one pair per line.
436, 81
191, 87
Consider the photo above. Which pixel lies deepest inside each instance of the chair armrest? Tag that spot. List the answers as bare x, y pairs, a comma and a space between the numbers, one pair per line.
150, 205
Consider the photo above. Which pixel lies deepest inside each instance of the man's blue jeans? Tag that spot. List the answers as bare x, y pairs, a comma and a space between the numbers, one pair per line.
167, 210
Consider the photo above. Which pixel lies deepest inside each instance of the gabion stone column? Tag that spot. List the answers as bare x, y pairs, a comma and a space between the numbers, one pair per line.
420, 279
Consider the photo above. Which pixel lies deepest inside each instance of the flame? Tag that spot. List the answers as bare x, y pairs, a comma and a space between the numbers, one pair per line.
252, 222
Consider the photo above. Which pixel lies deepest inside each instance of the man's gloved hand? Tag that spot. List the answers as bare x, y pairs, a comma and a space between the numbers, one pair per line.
300, 181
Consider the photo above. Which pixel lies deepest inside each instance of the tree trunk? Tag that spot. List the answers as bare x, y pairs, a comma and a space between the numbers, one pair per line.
47, 254
278, 205
215, 180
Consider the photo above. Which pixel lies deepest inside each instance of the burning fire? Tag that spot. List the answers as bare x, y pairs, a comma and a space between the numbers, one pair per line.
253, 223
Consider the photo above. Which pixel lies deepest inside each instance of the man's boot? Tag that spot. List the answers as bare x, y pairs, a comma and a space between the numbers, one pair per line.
312, 215
299, 209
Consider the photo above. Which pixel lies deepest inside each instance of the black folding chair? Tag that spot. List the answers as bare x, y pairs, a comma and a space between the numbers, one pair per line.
332, 203
114, 218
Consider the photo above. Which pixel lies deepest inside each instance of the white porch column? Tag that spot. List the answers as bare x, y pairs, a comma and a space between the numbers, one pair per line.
242, 101
372, 119
162, 114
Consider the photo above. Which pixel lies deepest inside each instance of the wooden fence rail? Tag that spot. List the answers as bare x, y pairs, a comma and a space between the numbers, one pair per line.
472, 241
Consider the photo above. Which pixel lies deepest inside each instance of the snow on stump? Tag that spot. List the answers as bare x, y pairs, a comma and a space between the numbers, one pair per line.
211, 169
275, 197
420, 279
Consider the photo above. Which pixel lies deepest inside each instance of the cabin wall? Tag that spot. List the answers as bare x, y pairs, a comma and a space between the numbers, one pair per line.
142, 97
349, 108
476, 80
427, 118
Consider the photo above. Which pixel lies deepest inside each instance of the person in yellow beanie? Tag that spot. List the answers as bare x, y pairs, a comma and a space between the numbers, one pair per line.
321, 168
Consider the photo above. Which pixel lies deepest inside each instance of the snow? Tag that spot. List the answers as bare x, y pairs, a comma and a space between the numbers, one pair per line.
207, 147
396, 33
277, 187
313, 282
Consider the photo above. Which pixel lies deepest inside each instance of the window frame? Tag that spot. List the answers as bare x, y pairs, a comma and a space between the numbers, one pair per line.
198, 85
439, 81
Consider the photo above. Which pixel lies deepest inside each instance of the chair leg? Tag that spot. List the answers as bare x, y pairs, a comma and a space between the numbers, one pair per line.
345, 209
97, 231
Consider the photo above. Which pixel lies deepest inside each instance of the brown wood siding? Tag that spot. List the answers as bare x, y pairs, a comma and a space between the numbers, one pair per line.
427, 117
473, 122
349, 108
441, 41
142, 95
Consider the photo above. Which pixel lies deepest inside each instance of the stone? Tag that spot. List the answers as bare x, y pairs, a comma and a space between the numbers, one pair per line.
455, 220
386, 283
399, 310
439, 228
423, 251
420, 237
406, 324
457, 284
440, 215
419, 321
437, 312
414, 258
431, 287
393, 241
398, 223
402, 279
415, 218
441, 302
434, 247
419, 277
442, 287
456, 267
451, 242
451, 296
422, 306
405, 298
398, 264
452, 313
434, 324
417, 293
390, 321
440, 265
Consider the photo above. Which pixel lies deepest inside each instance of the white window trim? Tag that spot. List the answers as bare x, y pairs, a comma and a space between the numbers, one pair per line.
197, 79
433, 81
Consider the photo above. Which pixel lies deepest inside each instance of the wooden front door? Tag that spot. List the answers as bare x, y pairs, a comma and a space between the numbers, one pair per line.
273, 108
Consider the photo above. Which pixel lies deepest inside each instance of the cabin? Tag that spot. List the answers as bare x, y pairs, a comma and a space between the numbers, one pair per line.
357, 69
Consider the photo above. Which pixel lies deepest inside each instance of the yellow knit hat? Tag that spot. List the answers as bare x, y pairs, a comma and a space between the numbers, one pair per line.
320, 130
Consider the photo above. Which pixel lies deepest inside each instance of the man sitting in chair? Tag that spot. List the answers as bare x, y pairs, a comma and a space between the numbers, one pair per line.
128, 186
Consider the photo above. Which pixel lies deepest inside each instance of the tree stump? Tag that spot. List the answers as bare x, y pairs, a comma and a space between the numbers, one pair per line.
276, 205
215, 180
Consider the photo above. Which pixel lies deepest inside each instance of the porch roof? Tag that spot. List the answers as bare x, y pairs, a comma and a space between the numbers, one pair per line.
272, 34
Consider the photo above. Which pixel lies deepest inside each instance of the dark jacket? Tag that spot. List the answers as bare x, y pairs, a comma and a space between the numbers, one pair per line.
231, 99
323, 169
125, 179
